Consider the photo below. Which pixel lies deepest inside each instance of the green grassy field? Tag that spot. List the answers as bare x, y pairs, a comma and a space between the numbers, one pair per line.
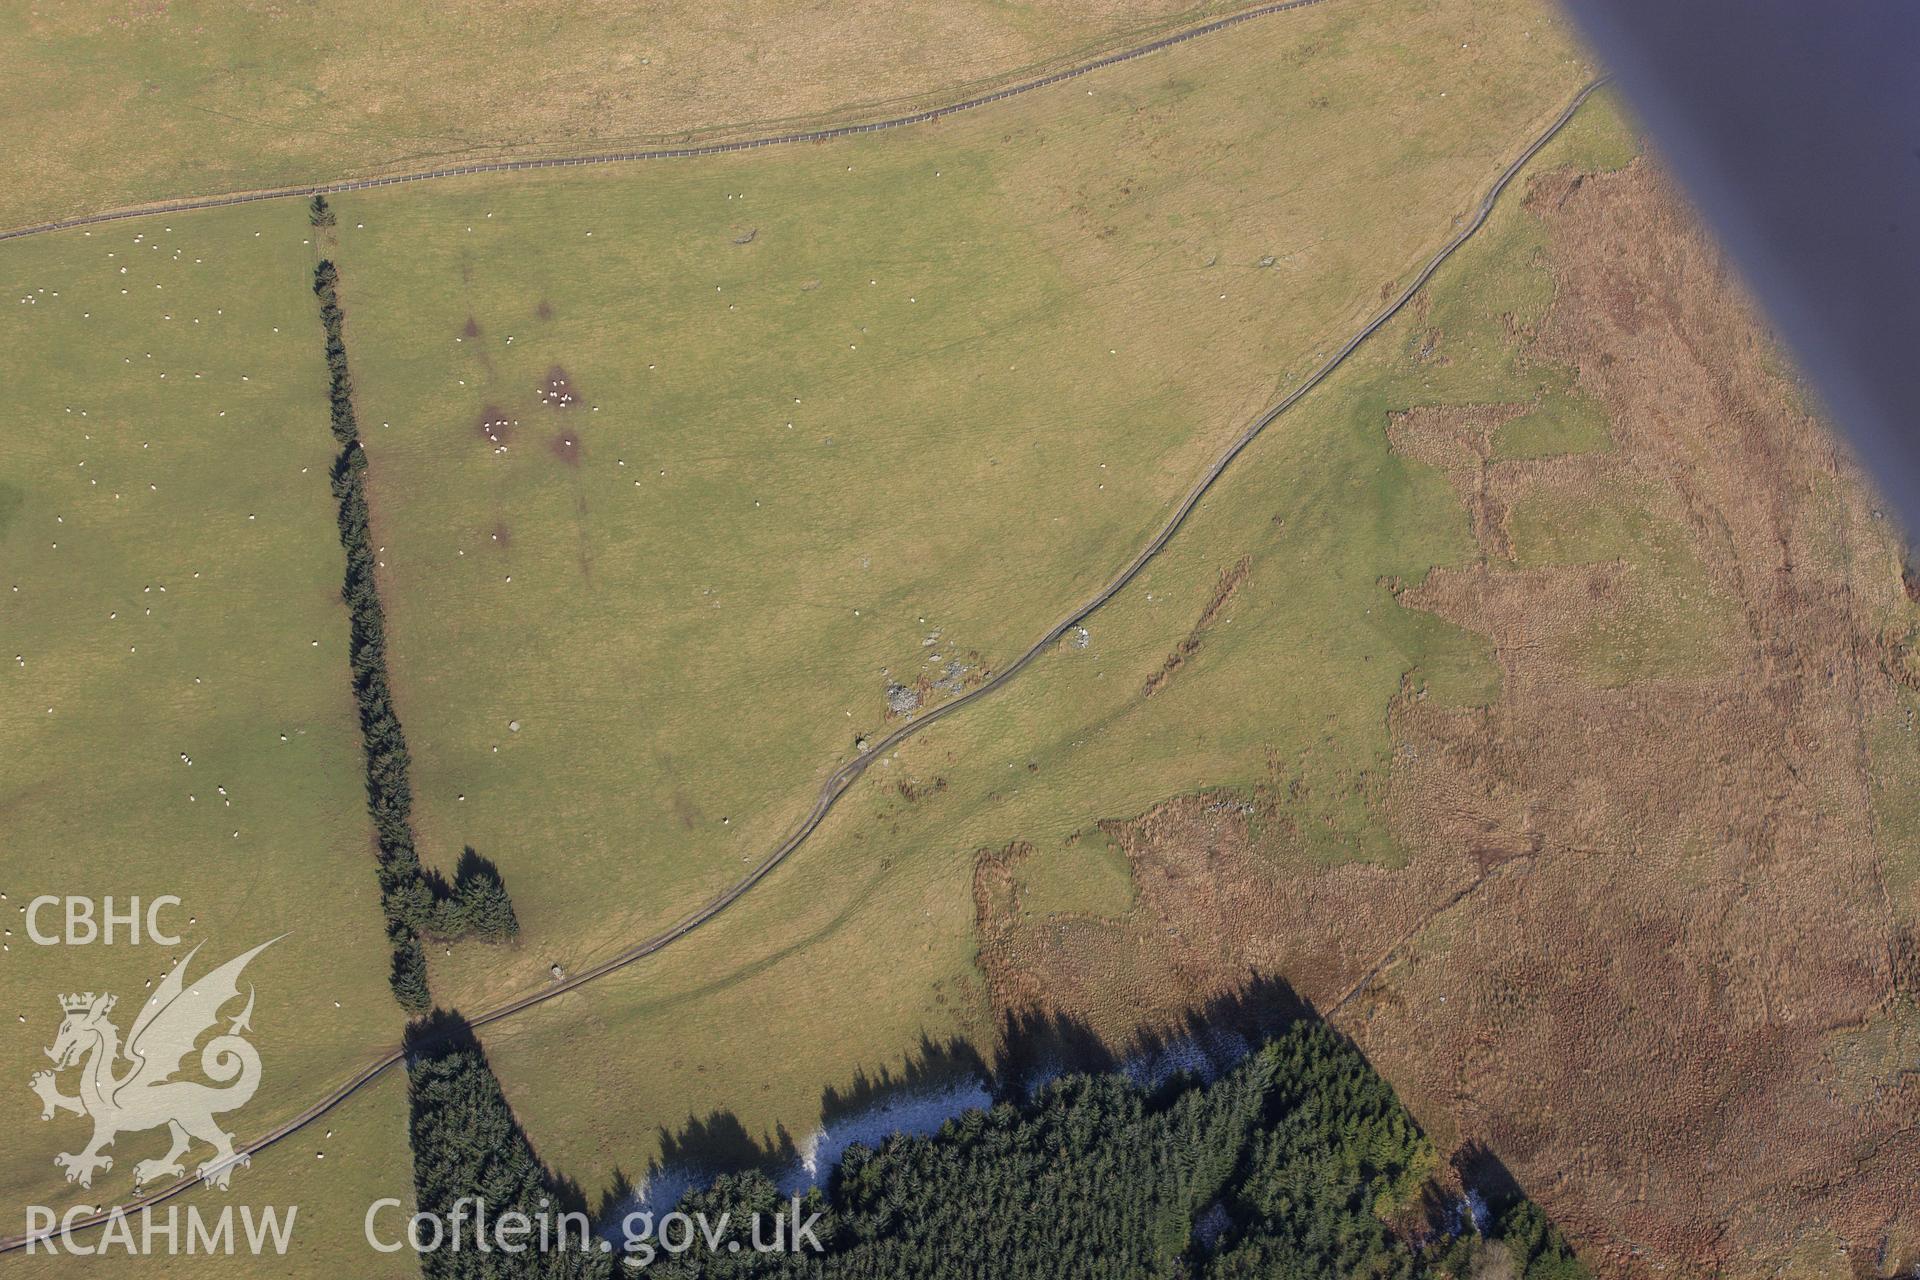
130, 104
586, 805
1004, 346
843, 420
328, 1175
755, 1010
171, 587
628, 647
1560, 425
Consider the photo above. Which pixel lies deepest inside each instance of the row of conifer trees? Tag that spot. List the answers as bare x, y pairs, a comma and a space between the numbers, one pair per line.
416, 905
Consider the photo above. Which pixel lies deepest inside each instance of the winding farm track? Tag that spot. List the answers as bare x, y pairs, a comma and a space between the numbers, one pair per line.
667, 153
847, 774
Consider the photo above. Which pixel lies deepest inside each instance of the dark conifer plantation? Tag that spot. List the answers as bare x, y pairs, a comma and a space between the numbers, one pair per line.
466, 1143
1297, 1164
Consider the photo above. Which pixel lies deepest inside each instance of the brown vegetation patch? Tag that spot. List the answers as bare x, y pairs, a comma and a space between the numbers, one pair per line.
1212, 915
495, 428
1644, 949
1458, 441
1230, 580
556, 390
685, 811
912, 791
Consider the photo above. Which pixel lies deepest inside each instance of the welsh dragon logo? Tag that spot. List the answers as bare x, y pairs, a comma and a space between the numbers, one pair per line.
130, 1088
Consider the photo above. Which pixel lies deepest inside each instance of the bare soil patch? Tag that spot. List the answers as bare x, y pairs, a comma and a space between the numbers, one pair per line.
1645, 926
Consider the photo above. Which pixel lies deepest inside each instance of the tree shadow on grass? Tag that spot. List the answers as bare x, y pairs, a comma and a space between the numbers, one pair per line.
463, 1134
935, 1082
940, 1079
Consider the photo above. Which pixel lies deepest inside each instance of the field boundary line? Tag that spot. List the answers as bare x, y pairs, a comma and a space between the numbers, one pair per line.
843, 778
689, 151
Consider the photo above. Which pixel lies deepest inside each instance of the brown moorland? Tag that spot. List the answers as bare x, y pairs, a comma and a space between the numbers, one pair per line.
1653, 947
